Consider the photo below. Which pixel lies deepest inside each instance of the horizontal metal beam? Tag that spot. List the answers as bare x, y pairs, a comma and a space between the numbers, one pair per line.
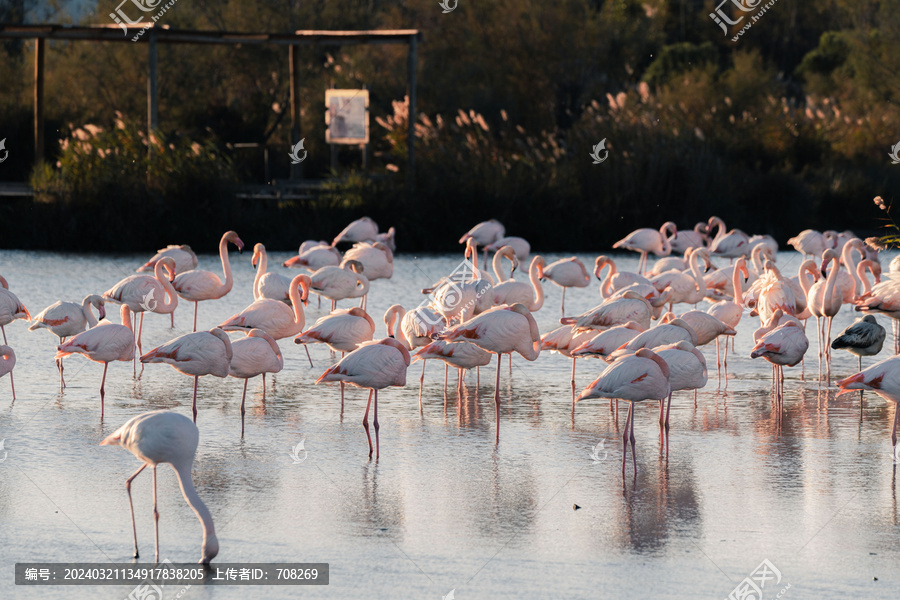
166, 35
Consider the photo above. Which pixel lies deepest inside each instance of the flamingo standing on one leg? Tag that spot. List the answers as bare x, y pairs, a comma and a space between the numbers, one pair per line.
374, 365
7, 364
338, 283
647, 240
104, 343
10, 310
864, 337
268, 285
145, 293
166, 437
566, 273
256, 354
564, 340
730, 312
501, 330
363, 229
197, 285
633, 378
687, 371
196, 354
315, 257
342, 331
65, 319
784, 345
462, 355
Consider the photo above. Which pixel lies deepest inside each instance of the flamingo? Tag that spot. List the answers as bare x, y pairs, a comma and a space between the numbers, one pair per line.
784, 345
274, 316
776, 293
338, 283
315, 257
196, 354
564, 340
462, 355
606, 342
197, 285
166, 437
630, 306
728, 244
255, 354
687, 371
520, 246
686, 239
848, 281
676, 330
615, 280
884, 297
812, 243
104, 343
765, 241
881, 378
268, 285
824, 302
500, 330
730, 312
516, 292
708, 328
140, 292
864, 337
65, 319
647, 240
184, 258
388, 239
485, 234
7, 364
374, 365
417, 328
668, 263
633, 378
689, 288
360, 230
377, 259
566, 273
10, 310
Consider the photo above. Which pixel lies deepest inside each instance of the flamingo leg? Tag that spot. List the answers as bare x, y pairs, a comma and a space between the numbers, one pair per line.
305, 347
422, 383
375, 421
668, 408
194, 402
564, 301
140, 330
497, 397
366, 422
625, 437
155, 516
264, 386
894, 428
131, 506
631, 430
196, 304
573, 382
244, 397
446, 371
172, 315
102, 392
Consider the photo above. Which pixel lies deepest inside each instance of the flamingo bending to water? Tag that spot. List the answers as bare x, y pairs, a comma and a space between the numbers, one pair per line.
166, 437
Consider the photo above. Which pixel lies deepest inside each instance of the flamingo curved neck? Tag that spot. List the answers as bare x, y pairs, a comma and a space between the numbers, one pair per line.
186, 482
260, 271
226, 266
171, 300
607, 283
737, 280
88, 314
536, 284
850, 263
296, 302
397, 317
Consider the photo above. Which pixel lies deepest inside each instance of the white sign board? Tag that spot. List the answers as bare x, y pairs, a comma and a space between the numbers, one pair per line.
347, 116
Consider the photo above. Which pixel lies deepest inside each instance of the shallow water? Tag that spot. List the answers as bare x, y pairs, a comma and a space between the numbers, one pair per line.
444, 508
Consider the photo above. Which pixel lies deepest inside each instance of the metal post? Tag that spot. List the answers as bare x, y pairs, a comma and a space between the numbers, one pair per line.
411, 125
152, 100
294, 68
38, 100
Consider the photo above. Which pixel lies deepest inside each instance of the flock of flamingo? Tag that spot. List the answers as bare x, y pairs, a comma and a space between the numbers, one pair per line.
471, 315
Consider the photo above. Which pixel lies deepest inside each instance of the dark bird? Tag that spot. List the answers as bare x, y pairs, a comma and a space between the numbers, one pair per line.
863, 338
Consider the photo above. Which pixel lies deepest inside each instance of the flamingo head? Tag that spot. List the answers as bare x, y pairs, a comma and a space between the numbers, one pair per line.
258, 250
601, 262
231, 236
168, 263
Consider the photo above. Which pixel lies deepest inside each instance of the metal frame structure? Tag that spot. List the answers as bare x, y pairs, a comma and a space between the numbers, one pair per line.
162, 34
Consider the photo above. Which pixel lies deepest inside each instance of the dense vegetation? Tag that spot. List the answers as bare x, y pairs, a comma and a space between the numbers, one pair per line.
787, 128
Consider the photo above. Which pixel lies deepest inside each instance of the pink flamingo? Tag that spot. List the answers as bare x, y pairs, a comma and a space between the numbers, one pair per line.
883, 378
685, 287
374, 365
687, 371
196, 354
728, 244
825, 301
416, 328
388, 238
529, 295
812, 243
140, 293
197, 285
268, 285
633, 378
273, 316
65, 319
256, 354
104, 343
184, 258
377, 259
338, 283
360, 230
647, 240
784, 345
777, 293
342, 331
615, 280
630, 306
686, 239
166, 437
485, 234
7, 364
462, 355
676, 330
10, 310
566, 273
606, 342
520, 246
564, 340
501, 330
315, 257
730, 312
